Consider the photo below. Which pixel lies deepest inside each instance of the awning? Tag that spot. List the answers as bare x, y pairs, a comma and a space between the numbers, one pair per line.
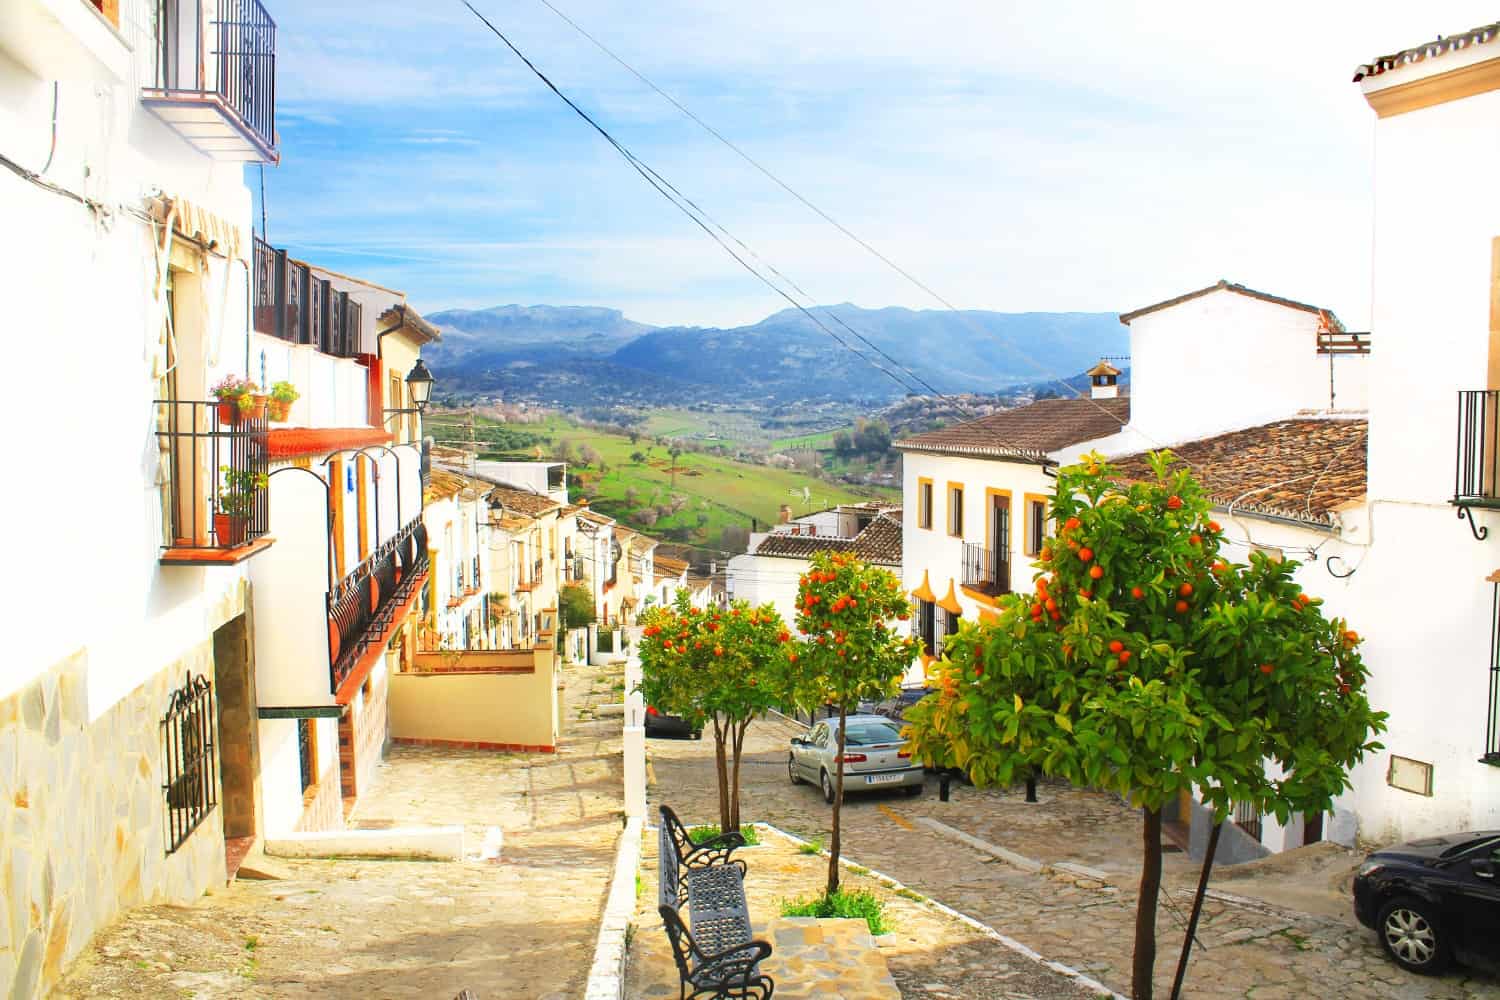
924, 592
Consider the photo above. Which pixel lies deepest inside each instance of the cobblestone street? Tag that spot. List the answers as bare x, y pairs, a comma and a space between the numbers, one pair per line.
518, 927
1260, 948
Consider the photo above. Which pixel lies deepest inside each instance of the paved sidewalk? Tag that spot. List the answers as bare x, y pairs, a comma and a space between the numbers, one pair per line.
1301, 941
519, 928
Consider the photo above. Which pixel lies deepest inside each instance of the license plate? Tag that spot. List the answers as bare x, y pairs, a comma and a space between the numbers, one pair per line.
881, 779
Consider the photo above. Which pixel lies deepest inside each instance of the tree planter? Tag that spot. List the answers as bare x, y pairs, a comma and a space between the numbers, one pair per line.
229, 529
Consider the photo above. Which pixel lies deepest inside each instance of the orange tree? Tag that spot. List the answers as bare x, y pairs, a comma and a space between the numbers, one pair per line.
1145, 664
717, 666
850, 651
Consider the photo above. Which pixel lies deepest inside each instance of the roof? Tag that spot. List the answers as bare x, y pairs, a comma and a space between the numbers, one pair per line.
513, 523
404, 317
442, 484
1229, 286
1428, 50
643, 543
1102, 368
880, 543
595, 517
1027, 432
1302, 470
669, 566
523, 501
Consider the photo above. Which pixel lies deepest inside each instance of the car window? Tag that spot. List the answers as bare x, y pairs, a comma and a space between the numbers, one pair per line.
1483, 847
865, 733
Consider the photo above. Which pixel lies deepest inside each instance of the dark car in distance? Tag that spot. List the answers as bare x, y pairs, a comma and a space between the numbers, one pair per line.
1434, 900
660, 724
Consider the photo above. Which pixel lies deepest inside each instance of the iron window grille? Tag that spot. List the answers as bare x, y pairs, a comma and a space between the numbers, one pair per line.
188, 748
1492, 714
306, 765
1247, 818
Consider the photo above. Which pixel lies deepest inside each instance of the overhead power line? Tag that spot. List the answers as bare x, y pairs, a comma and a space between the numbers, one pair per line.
671, 194
775, 179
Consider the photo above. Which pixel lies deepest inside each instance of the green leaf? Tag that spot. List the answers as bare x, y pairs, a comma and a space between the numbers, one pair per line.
1063, 722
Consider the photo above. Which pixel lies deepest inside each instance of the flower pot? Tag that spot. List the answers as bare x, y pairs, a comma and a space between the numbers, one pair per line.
277, 409
257, 409
229, 411
229, 529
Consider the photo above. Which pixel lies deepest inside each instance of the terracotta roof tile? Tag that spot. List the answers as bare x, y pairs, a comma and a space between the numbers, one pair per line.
522, 501
1428, 50
879, 543
442, 484
669, 566
1298, 469
1028, 432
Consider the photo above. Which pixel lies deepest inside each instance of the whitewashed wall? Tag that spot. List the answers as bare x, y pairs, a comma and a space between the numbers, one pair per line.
335, 391
1224, 361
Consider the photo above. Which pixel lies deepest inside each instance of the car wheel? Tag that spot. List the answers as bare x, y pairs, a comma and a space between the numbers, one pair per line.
1410, 935
828, 789
791, 769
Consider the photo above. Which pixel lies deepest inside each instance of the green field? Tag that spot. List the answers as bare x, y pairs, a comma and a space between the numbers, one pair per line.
818, 442
715, 492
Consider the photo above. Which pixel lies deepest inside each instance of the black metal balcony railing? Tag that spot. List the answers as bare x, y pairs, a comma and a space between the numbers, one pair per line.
224, 50
536, 570
293, 304
216, 461
1477, 462
362, 607
985, 570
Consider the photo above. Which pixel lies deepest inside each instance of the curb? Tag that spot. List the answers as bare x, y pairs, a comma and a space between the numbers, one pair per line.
1067, 971
607, 975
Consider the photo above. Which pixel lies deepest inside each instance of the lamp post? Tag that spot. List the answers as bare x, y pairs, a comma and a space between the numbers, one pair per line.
419, 384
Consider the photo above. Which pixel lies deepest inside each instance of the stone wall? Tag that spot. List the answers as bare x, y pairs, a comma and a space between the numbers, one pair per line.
323, 803
370, 727
82, 818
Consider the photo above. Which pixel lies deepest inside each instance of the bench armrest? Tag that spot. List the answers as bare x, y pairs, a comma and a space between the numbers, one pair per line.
737, 962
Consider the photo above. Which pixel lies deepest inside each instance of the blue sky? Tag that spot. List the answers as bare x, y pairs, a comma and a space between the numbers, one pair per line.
1067, 156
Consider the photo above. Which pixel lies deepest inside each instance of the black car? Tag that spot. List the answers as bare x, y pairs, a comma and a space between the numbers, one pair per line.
1434, 900
660, 724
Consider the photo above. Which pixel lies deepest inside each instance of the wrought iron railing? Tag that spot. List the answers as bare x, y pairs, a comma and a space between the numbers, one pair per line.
295, 305
215, 458
361, 608
188, 763
226, 48
985, 569
1476, 476
1247, 818
1492, 713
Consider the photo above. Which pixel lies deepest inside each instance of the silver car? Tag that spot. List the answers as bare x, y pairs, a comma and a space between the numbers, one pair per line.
873, 757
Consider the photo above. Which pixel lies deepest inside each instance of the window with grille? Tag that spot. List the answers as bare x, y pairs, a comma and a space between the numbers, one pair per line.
925, 622
1247, 818
189, 764
924, 503
946, 624
1036, 526
956, 511
307, 752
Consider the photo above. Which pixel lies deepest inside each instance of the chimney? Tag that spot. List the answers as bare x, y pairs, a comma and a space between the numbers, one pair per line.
1103, 378
786, 513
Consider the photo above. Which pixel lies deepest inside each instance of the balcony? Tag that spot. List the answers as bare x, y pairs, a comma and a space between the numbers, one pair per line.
362, 609
215, 461
215, 82
294, 305
985, 571
1476, 470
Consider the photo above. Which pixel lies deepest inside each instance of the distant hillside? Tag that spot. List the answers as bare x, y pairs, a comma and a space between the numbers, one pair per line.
588, 356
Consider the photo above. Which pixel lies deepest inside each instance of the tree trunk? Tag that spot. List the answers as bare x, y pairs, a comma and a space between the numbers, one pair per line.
1192, 927
1145, 908
722, 769
838, 802
738, 729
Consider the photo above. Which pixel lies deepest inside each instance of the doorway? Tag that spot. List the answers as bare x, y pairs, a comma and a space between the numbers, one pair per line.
239, 749
999, 535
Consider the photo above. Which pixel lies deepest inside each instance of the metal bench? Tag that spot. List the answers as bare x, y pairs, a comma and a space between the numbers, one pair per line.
714, 851
717, 958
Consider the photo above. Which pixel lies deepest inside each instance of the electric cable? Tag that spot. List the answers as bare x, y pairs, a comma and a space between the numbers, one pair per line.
651, 177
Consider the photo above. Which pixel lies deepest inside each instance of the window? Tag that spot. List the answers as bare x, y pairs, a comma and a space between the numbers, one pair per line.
955, 510
925, 624
1036, 526
307, 752
944, 627
924, 503
188, 755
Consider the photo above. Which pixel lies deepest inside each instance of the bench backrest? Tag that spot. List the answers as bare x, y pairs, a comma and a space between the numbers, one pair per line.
679, 833
682, 941
668, 866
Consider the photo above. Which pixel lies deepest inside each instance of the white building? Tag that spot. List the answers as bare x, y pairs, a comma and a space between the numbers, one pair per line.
775, 560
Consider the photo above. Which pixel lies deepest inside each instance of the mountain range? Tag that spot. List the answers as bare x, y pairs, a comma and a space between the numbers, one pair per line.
585, 356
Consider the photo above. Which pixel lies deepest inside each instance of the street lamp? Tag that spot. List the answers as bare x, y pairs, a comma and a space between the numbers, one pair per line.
419, 384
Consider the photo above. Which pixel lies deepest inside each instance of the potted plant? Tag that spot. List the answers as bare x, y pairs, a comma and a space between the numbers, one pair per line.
233, 394
283, 395
235, 504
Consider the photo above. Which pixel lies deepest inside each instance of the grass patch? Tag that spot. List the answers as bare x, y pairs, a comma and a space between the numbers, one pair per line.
811, 847
861, 904
915, 897
708, 831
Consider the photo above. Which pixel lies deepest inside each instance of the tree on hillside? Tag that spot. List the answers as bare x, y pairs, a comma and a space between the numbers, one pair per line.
871, 437
843, 443
588, 454
674, 451
714, 666
850, 653
635, 435
1146, 665
565, 450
